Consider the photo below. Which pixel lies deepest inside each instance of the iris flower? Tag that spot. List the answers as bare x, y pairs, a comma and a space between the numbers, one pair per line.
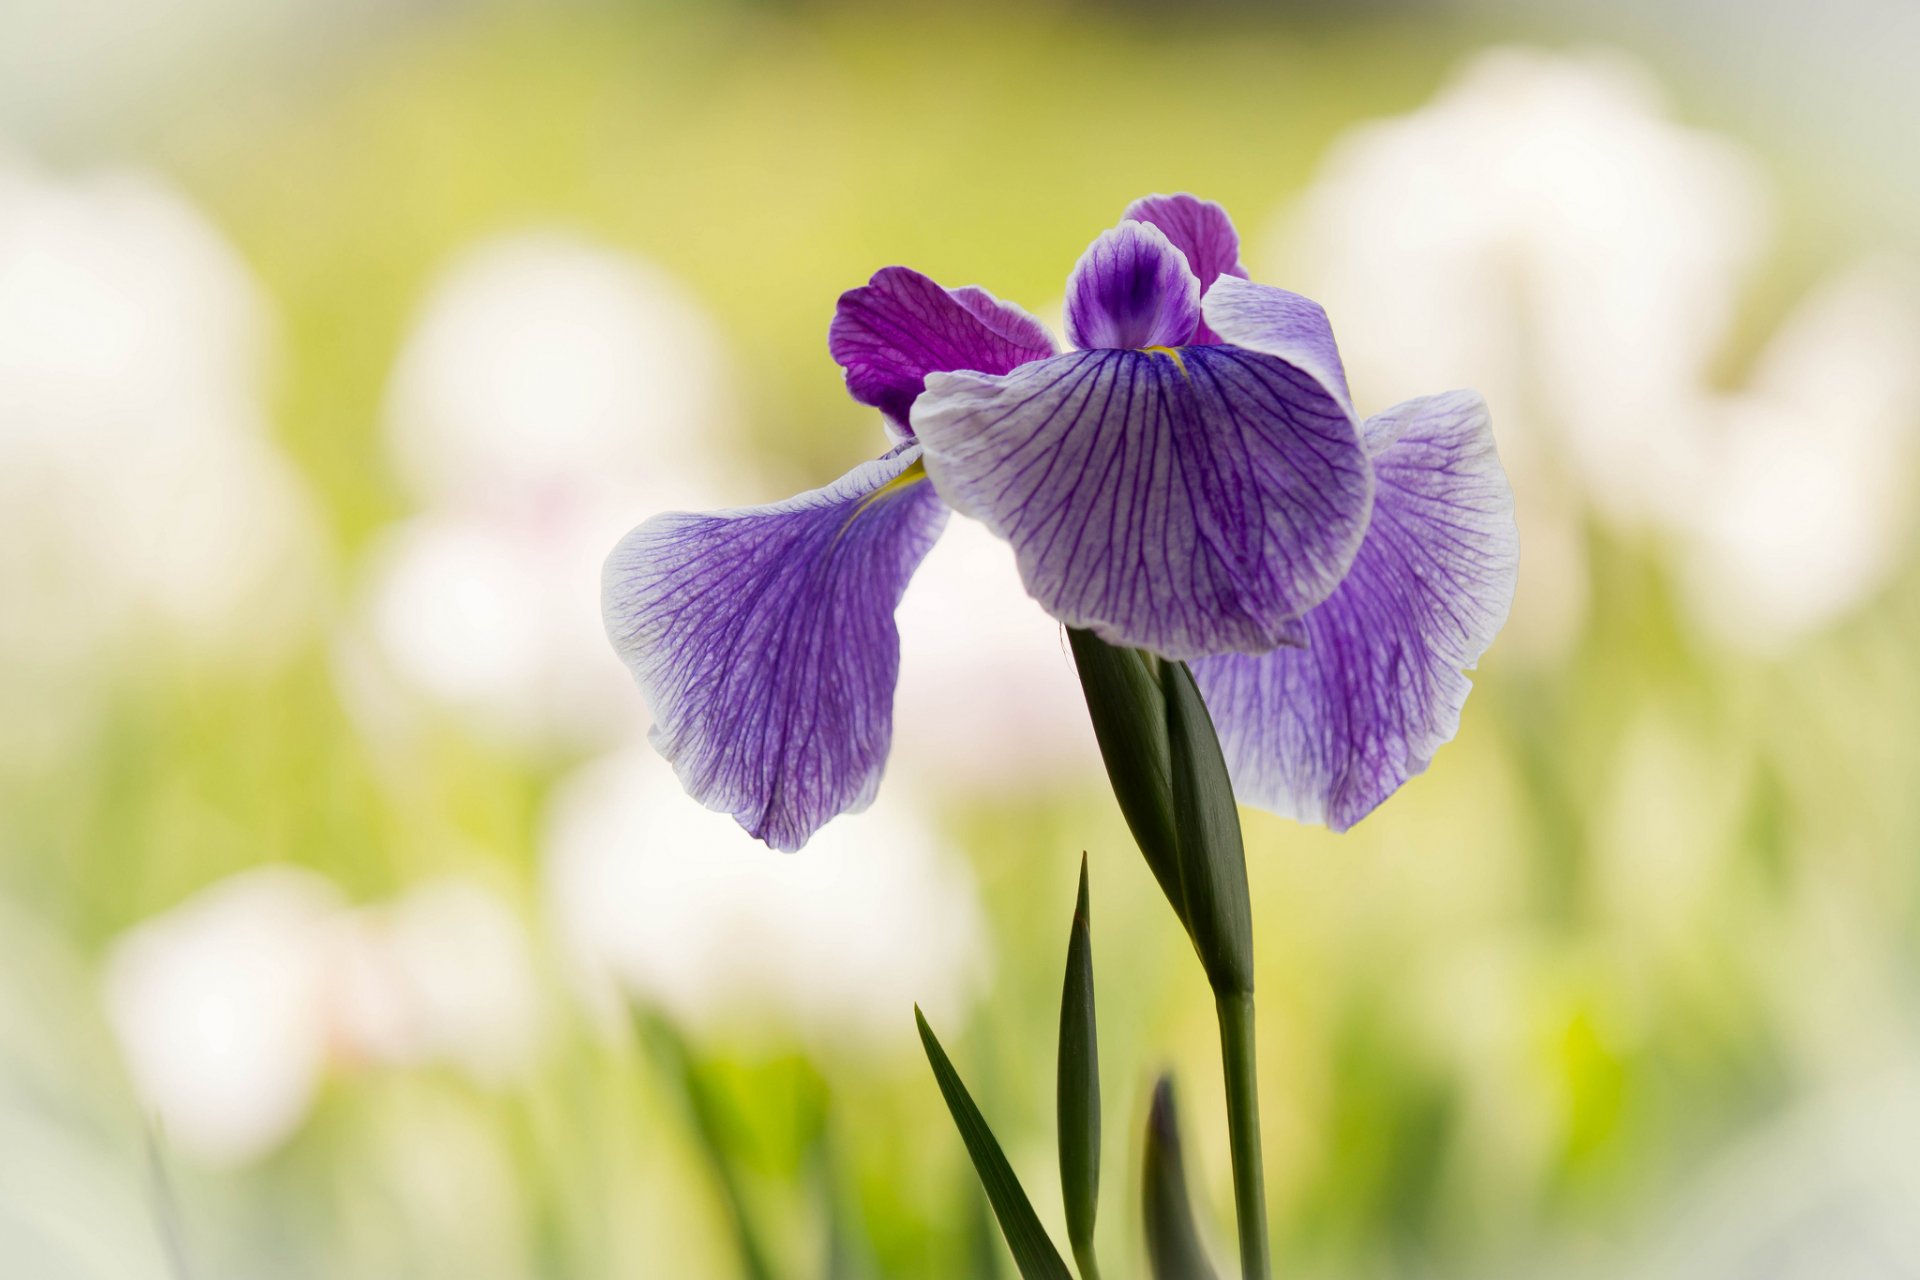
1190, 480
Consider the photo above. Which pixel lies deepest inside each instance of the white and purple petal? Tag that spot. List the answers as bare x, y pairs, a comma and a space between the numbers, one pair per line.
1277, 323
1188, 503
1131, 289
764, 641
1327, 732
1202, 231
891, 332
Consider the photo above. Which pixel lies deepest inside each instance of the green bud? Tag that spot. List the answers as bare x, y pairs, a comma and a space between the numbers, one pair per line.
1122, 688
1211, 858
1173, 1242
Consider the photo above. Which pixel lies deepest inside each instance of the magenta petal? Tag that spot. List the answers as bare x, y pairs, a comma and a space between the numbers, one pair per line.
1202, 231
1131, 289
1325, 733
763, 639
891, 332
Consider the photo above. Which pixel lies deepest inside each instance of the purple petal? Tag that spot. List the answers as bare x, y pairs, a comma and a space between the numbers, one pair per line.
1325, 733
890, 333
1202, 231
1274, 322
763, 639
1188, 504
1131, 289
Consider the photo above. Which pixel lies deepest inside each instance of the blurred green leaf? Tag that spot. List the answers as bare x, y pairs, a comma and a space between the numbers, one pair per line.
669, 1051
1173, 1242
1079, 1088
1033, 1251
848, 1255
1130, 723
1211, 858
166, 1208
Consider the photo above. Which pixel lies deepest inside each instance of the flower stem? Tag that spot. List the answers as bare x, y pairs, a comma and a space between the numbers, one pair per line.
1170, 778
1243, 1131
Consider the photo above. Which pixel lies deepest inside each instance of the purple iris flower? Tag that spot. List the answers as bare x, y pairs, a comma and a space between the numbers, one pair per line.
1191, 480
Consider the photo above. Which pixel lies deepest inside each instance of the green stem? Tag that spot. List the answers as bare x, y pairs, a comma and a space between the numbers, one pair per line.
1243, 1131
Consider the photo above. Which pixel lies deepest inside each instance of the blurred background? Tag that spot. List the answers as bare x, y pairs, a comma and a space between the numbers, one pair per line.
348, 927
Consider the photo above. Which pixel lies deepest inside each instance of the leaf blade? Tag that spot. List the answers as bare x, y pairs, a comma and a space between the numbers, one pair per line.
704, 1113
1033, 1251
1078, 1088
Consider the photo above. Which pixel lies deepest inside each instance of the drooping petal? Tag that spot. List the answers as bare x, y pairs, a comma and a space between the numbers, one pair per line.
763, 639
1131, 288
1190, 504
1202, 231
1274, 322
1325, 733
890, 333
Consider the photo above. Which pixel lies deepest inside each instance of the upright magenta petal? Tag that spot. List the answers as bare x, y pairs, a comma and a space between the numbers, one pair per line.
763, 639
891, 332
1325, 733
1285, 325
1131, 289
1189, 503
1202, 231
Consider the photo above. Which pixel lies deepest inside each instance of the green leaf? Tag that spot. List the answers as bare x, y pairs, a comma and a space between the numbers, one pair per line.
705, 1112
1122, 688
1211, 858
1173, 1242
1033, 1252
1079, 1089
166, 1207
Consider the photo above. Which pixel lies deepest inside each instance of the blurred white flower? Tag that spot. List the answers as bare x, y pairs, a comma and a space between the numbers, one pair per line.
498, 620
543, 367
551, 394
1545, 233
679, 906
1810, 507
988, 696
441, 974
219, 1009
233, 1006
139, 493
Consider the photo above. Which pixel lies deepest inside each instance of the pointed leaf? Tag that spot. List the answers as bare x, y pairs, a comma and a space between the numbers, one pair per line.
1033, 1251
1079, 1088
1212, 860
1130, 724
1173, 1242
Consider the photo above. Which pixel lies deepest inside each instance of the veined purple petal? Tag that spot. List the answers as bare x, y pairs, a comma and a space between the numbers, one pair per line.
1189, 503
1029, 338
763, 639
1131, 289
1202, 231
891, 332
1325, 733
1274, 322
